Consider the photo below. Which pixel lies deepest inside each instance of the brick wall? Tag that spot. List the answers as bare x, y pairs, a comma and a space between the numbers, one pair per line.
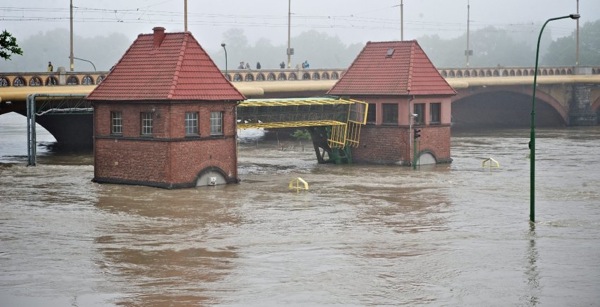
382, 144
436, 140
390, 144
169, 158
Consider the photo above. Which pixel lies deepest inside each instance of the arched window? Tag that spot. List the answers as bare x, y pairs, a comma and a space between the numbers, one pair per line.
237, 77
293, 76
496, 73
316, 76
519, 73
51, 80
305, 76
281, 77
335, 75
451, 74
4, 82
260, 77
249, 77
325, 76
271, 77
512, 73
87, 80
467, 73
19, 81
72, 80
35, 81
100, 78
444, 74
459, 74
504, 73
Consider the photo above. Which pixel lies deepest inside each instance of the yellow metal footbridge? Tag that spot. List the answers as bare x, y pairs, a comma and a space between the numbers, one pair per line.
334, 123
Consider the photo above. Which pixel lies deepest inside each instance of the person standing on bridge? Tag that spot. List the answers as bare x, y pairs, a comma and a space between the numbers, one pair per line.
258, 65
50, 67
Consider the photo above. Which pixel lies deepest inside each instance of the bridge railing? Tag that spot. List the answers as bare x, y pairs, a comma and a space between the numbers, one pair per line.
501, 71
62, 77
54, 78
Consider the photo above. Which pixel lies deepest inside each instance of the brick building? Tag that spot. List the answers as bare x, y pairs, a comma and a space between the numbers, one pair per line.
165, 116
406, 96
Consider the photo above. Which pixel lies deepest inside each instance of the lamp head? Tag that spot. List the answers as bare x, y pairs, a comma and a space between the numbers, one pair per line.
574, 16
223, 45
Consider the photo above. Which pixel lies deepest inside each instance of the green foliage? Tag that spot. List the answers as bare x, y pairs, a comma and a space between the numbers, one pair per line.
319, 49
8, 46
491, 47
563, 50
301, 134
53, 45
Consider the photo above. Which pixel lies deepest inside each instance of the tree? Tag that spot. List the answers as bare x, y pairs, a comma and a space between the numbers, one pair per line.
562, 51
491, 47
319, 49
8, 46
53, 45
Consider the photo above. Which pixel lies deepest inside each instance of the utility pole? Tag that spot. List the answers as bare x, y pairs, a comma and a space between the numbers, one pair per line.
185, 28
71, 57
289, 49
468, 51
401, 20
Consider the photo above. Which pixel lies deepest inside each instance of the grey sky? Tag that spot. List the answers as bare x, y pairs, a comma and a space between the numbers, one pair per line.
354, 21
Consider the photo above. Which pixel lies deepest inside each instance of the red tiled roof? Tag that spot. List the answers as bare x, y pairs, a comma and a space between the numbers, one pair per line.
174, 68
392, 68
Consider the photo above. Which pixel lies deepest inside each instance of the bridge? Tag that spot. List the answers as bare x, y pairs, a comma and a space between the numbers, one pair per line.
570, 96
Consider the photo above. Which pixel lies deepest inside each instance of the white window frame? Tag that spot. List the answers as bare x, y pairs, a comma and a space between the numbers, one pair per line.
116, 122
216, 123
146, 124
191, 123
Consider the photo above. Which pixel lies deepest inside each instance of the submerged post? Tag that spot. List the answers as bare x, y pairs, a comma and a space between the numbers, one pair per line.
31, 139
532, 132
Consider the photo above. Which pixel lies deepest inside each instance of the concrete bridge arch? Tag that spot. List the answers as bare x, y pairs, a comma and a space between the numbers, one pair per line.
507, 106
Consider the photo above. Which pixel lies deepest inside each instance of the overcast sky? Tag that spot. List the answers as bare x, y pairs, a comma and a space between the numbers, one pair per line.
354, 21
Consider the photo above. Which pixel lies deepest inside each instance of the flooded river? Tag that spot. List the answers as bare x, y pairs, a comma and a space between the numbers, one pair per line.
362, 235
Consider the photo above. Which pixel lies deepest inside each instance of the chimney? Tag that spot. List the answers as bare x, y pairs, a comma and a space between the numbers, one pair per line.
159, 35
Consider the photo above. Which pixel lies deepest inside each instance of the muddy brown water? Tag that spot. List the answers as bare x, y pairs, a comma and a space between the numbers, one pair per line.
362, 235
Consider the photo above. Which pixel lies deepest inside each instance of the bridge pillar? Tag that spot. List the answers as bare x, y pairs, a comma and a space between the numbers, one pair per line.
62, 76
580, 106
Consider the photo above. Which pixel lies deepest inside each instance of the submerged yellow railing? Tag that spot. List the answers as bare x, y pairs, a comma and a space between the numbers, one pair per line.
344, 116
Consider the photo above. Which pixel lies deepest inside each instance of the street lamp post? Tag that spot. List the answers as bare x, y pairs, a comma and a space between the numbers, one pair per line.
532, 134
76, 58
223, 45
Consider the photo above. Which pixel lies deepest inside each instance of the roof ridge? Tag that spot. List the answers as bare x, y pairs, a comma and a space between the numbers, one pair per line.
410, 67
174, 81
